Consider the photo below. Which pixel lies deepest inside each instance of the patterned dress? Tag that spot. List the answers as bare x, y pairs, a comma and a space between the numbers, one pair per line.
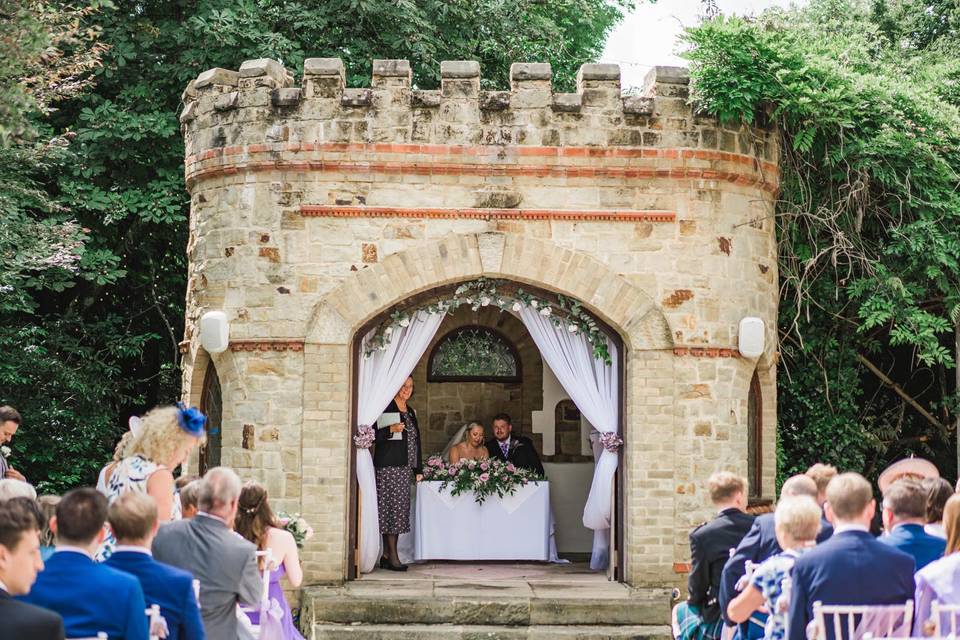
130, 474
393, 483
768, 580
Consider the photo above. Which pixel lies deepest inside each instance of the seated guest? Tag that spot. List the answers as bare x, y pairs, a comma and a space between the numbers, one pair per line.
10, 421
513, 448
822, 474
904, 516
761, 543
797, 522
710, 545
852, 567
472, 447
91, 597
133, 518
223, 562
10, 488
19, 563
188, 499
939, 581
938, 492
48, 507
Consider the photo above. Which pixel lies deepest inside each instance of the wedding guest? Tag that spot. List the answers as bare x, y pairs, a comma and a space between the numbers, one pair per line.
396, 463
822, 474
797, 522
48, 507
167, 437
10, 421
11, 488
906, 469
188, 499
938, 492
119, 453
852, 567
513, 448
133, 518
90, 596
472, 447
256, 523
206, 546
939, 581
19, 563
710, 545
904, 516
761, 543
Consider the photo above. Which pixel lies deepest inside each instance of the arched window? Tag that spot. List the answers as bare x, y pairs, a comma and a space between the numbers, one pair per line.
755, 438
474, 354
211, 403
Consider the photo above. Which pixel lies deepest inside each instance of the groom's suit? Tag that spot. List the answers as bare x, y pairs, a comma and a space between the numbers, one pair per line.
521, 453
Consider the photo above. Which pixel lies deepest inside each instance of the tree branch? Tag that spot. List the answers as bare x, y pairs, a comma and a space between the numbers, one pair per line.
900, 392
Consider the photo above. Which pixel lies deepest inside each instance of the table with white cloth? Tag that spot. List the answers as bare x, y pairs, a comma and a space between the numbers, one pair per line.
514, 527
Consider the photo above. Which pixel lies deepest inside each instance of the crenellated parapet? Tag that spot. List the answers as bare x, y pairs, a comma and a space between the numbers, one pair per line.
259, 105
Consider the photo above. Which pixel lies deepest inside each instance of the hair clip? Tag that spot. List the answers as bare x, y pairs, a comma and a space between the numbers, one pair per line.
191, 420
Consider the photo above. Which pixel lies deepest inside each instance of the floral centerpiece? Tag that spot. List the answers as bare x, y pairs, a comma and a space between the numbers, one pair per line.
297, 526
484, 478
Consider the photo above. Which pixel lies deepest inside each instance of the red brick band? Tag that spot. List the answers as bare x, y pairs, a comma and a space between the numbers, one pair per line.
706, 352
266, 345
476, 213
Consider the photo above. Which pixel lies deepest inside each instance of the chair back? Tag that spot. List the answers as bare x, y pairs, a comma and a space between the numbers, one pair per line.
101, 635
157, 623
196, 590
937, 614
857, 622
264, 603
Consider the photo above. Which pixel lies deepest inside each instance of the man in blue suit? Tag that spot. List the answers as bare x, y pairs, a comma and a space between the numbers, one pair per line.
91, 597
133, 518
852, 567
759, 544
904, 515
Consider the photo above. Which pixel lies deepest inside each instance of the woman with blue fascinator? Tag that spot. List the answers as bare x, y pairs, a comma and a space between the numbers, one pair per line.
166, 437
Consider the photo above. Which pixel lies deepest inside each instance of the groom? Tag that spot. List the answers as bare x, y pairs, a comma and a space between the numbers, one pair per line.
510, 448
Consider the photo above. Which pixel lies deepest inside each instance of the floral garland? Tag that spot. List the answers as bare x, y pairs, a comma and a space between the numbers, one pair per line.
484, 478
364, 438
611, 441
483, 292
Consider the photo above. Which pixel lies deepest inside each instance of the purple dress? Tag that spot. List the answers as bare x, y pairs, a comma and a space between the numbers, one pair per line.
289, 632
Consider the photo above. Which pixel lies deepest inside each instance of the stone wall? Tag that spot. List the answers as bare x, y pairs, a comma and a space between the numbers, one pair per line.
317, 208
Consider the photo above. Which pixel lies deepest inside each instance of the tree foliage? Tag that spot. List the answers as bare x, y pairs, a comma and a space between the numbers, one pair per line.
89, 330
868, 219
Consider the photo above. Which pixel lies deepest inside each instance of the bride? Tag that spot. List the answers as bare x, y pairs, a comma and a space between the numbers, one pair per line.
471, 448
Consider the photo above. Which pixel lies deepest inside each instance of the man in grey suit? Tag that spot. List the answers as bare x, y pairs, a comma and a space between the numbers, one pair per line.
223, 562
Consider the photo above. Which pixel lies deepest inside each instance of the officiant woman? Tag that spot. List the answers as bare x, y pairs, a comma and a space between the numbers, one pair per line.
397, 462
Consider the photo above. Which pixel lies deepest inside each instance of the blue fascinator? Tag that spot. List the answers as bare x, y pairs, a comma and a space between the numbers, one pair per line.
191, 420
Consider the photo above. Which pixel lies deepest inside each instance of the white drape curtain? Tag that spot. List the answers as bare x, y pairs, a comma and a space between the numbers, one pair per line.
381, 374
593, 386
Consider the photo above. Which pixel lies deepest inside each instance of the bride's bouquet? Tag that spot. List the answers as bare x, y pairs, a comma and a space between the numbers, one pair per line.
484, 477
297, 526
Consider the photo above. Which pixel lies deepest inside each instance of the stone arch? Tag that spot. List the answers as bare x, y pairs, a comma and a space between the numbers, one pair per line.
232, 387
609, 296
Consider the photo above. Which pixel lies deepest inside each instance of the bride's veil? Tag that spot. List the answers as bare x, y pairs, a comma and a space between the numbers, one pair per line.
454, 441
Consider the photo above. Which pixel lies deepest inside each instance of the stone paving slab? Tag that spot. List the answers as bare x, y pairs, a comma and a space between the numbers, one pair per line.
487, 632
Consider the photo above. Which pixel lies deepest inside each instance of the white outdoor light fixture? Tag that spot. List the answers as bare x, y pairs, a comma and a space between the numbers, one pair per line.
214, 331
751, 337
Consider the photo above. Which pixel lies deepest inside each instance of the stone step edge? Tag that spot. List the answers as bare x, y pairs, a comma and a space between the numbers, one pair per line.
533, 632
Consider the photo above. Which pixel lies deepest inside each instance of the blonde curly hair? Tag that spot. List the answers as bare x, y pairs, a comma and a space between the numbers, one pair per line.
161, 436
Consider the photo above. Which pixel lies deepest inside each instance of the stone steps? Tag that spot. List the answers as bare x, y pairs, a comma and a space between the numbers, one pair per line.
489, 632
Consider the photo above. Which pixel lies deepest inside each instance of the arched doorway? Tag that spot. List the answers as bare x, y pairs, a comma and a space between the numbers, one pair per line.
519, 365
211, 403
755, 438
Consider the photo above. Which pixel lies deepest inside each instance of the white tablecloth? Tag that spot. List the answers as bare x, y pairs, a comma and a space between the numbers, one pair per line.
516, 527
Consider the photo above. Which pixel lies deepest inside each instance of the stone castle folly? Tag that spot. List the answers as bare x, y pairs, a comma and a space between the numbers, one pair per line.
318, 210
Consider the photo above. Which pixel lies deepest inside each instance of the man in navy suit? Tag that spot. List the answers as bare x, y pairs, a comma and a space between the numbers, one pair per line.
904, 515
759, 544
852, 567
133, 518
19, 563
91, 597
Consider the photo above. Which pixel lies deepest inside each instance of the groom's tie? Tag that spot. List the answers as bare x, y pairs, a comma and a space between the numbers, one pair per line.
505, 447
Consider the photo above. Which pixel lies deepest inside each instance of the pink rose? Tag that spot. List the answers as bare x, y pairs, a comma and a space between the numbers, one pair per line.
510, 467
452, 472
484, 477
484, 466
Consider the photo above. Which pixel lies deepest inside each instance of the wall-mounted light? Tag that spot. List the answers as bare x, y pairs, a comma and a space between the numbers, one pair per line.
214, 331
751, 337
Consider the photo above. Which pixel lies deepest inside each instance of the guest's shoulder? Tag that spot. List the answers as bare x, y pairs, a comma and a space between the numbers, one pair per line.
38, 617
115, 577
172, 573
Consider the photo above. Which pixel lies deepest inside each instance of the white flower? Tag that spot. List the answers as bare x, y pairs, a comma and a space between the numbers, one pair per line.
469, 300
573, 328
517, 306
388, 331
534, 304
500, 301
545, 311
484, 301
405, 322
5, 450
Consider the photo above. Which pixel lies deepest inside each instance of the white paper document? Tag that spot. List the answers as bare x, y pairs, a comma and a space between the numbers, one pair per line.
387, 419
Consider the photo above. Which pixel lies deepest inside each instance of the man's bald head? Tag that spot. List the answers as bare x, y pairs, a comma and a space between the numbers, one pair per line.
799, 485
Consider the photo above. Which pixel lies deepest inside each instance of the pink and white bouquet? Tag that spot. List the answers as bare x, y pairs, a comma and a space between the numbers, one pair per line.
611, 441
364, 438
297, 526
483, 477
